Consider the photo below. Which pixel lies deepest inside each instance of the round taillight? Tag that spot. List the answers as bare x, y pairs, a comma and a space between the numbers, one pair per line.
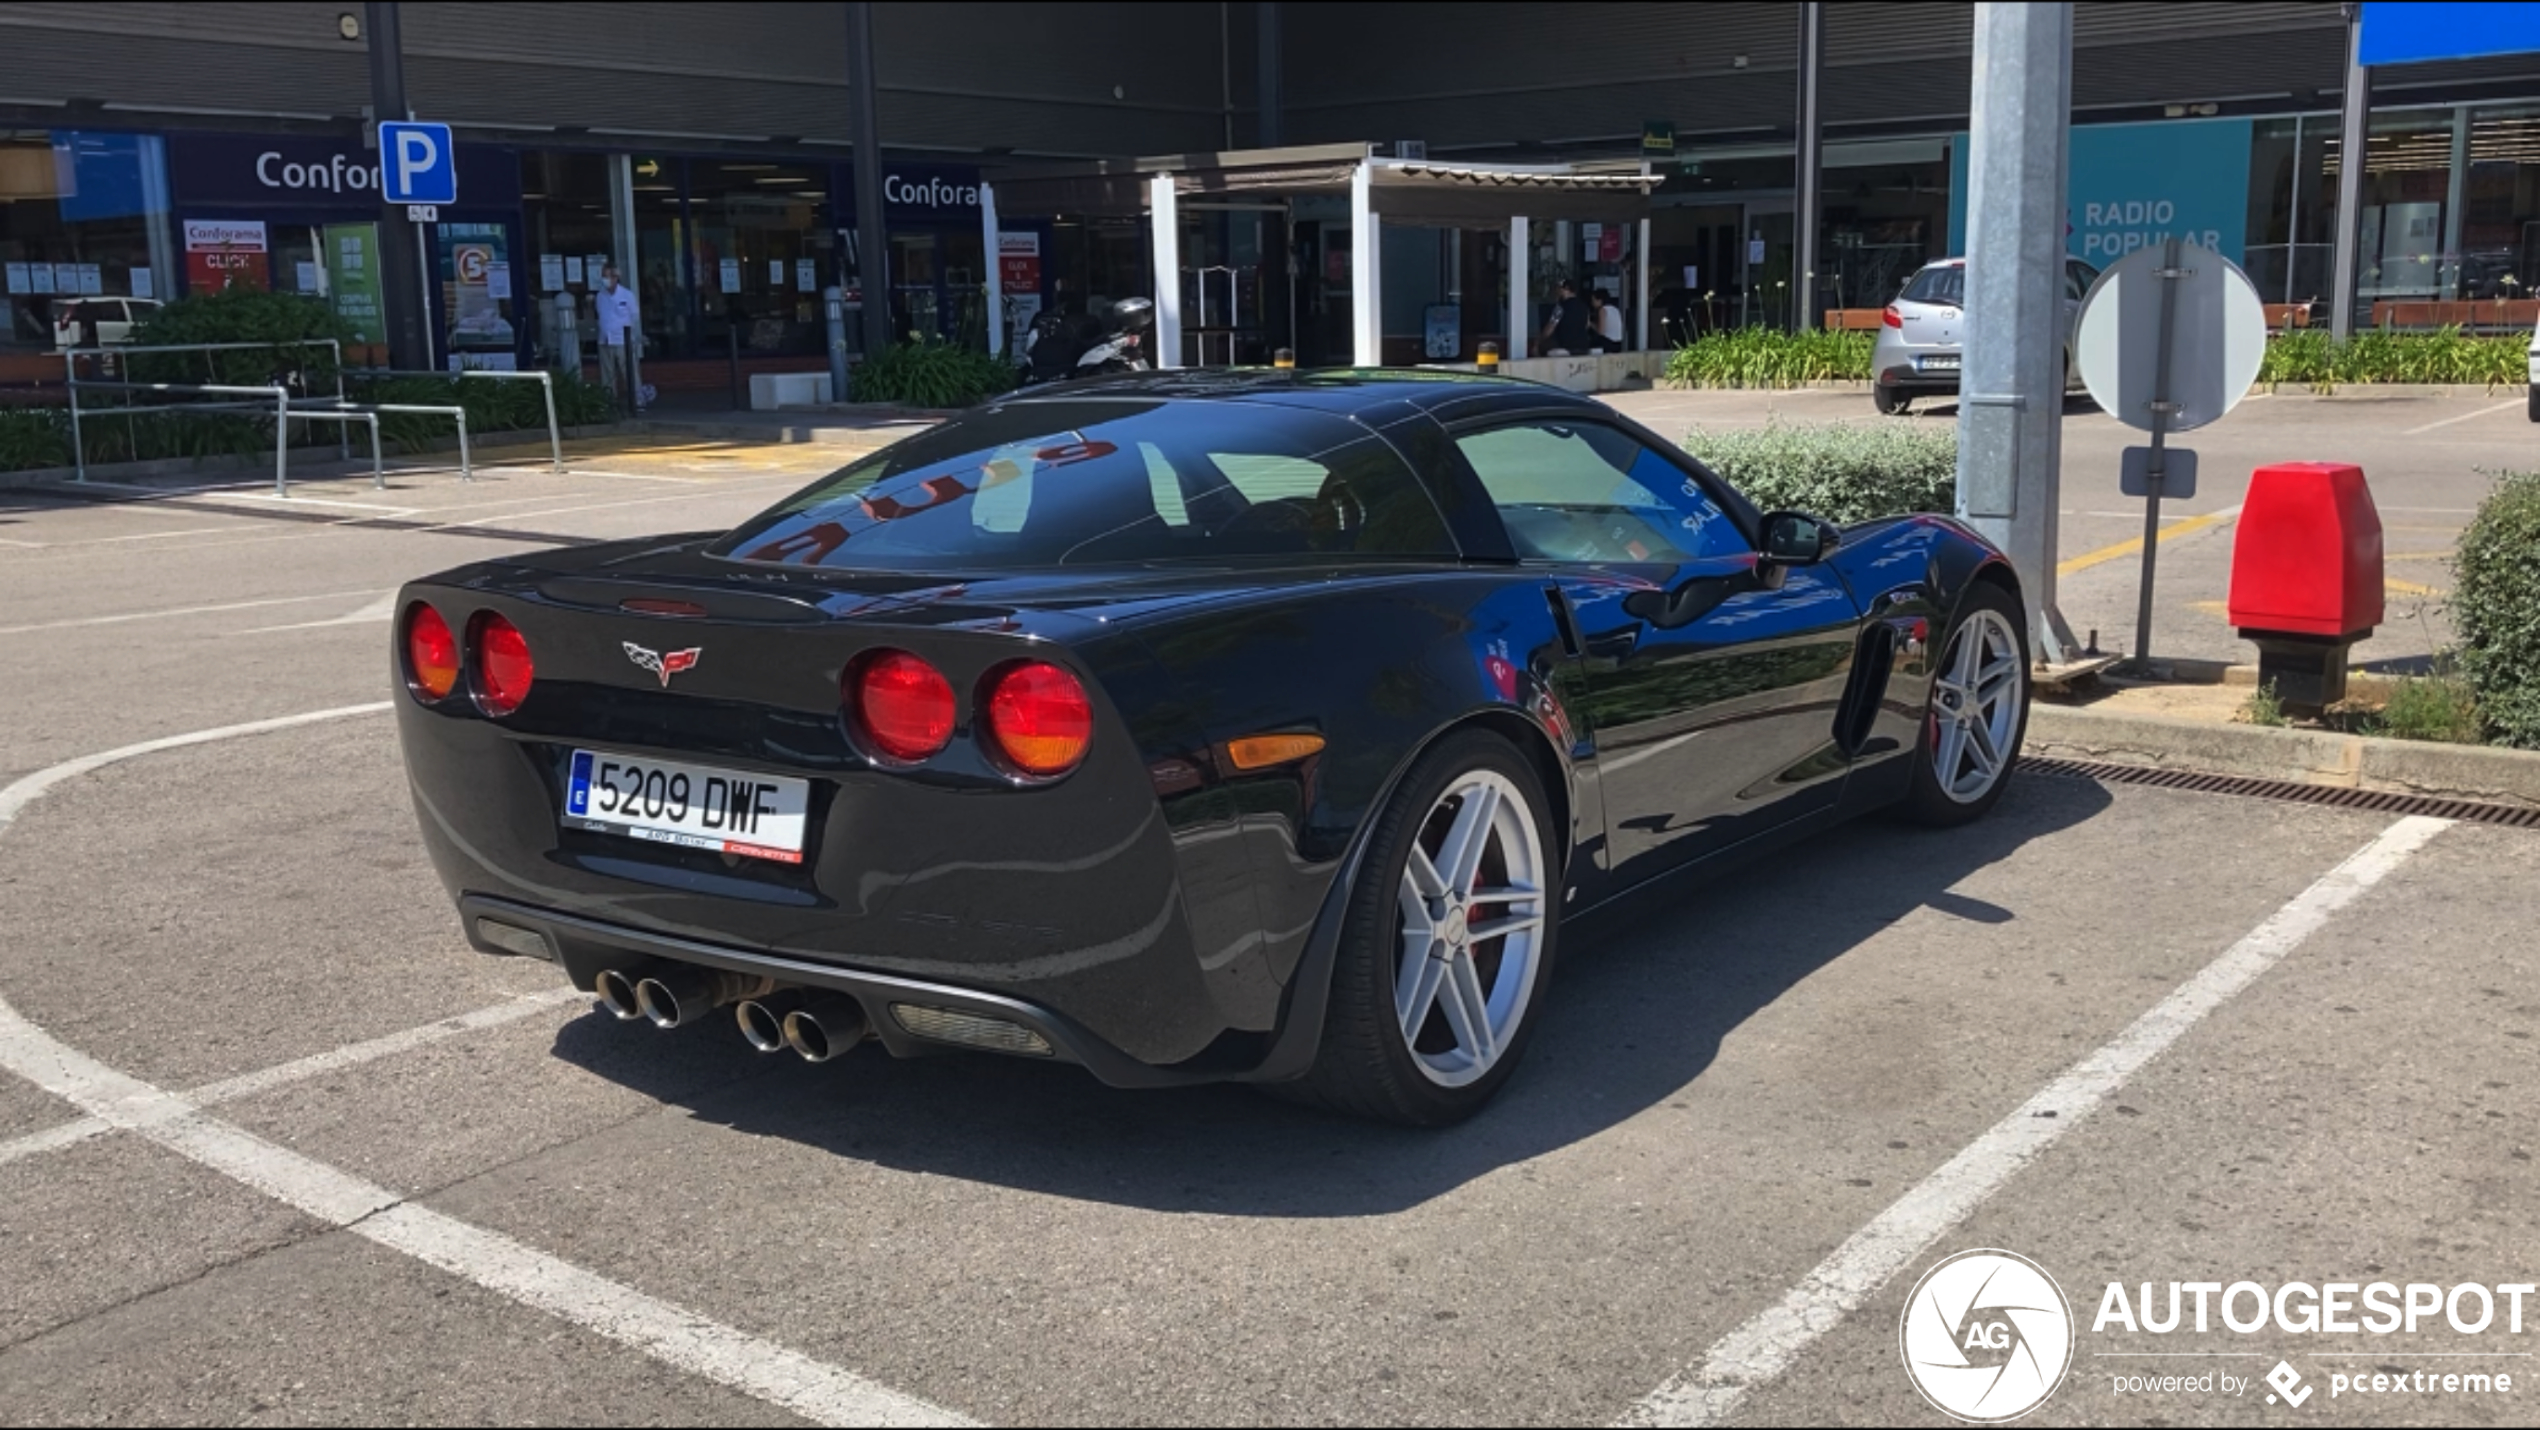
503, 667
902, 705
432, 653
1038, 718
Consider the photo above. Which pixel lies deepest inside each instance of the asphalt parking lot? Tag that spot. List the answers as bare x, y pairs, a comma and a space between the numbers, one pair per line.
275, 1147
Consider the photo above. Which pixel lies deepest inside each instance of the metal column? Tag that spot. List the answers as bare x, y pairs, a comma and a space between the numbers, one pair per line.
1269, 96
993, 276
1166, 227
1521, 311
2354, 139
1812, 43
873, 268
2010, 418
1366, 312
400, 255
2453, 195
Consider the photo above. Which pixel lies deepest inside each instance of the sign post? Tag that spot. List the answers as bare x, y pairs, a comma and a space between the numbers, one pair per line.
418, 168
2170, 338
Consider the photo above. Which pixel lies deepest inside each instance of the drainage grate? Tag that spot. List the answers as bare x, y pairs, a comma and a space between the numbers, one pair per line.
2378, 801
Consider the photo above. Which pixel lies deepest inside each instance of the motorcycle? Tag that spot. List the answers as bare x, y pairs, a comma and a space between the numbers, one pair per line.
1060, 346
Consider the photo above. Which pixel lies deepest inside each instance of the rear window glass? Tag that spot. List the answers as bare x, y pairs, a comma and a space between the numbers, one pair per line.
1107, 481
1946, 286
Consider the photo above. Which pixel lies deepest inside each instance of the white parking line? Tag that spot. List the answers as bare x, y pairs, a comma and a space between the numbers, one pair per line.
172, 612
1766, 1345
2464, 417
70, 1134
815, 1390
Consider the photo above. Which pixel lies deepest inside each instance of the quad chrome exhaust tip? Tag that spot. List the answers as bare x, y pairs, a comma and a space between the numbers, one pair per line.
825, 1028
762, 1019
616, 990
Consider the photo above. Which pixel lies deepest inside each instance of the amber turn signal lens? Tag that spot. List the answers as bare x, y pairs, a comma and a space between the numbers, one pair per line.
1259, 752
432, 653
1038, 718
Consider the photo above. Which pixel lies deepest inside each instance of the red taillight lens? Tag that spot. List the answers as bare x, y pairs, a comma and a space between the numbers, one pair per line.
432, 653
902, 705
1891, 317
1038, 718
503, 667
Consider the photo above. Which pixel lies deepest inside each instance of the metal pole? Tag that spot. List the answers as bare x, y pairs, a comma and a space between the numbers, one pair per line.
555, 437
408, 344
79, 448
1366, 315
467, 469
2010, 417
343, 434
2353, 141
2157, 465
1812, 43
992, 275
1269, 99
1521, 311
1166, 232
282, 441
423, 271
873, 265
378, 472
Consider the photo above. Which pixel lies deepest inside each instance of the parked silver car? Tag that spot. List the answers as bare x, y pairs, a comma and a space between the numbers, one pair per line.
1920, 335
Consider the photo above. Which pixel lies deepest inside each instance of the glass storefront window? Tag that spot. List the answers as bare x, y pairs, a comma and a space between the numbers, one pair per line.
2500, 221
564, 199
80, 214
756, 254
1884, 213
2407, 181
661, 277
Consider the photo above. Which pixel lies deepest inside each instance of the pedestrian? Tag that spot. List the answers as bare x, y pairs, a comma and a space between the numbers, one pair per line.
1609, 322
1566, 331
620, 329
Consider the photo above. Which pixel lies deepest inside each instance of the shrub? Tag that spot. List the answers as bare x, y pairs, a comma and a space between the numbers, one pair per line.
1841, 472
493, 405
2446, 355
1768, 357
32, 437
2431, 707
928, 372
2495, 609
290, 323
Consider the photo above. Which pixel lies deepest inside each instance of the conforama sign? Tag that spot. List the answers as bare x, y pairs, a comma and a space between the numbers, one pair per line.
2133, 185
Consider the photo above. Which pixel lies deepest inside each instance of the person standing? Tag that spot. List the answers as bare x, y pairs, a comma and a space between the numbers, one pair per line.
621, 327
1609, 322
1566, 331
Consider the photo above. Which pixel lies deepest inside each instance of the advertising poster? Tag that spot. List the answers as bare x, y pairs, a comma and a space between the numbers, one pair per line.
2135, 184
573, 272
352, 272
806, 275
551, 272
141, 284
18, 278
1019, 262
470, 254
225, 253
731, 275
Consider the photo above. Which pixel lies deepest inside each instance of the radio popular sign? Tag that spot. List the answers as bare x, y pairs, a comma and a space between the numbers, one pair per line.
225, 253
2133, 185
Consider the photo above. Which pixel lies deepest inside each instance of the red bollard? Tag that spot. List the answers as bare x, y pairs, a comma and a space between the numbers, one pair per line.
2306, 576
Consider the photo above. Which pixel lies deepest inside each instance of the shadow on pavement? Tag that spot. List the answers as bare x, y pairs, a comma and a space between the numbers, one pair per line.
1643, 996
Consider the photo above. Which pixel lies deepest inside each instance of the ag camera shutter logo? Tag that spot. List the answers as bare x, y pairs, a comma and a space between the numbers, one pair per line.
1986, 1336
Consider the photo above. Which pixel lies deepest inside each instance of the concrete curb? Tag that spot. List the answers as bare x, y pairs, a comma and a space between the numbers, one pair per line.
263, 461
2479, 772
2355, 391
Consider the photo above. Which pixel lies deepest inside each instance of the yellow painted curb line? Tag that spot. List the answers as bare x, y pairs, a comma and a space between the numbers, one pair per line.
2188, 527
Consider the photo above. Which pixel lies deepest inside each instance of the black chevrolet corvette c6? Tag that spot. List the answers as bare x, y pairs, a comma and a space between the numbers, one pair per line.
1254, 726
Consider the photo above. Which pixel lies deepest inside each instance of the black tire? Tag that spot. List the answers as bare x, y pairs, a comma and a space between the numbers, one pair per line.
2532, 408
1928, 803
1888, 400
1365, 1066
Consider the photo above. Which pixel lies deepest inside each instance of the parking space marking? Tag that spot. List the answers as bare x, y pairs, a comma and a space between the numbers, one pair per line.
1761, 1349
2188, 527
683, 1339
511, 1010
2464, 417
197, 609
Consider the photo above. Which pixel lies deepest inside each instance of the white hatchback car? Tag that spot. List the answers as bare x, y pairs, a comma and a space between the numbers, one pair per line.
99, 322
1921, 341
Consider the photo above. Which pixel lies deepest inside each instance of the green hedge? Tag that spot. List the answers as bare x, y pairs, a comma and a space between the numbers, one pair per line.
294, 325
1838, 471
2446, 355
1768, 357
928, 372
2495, 609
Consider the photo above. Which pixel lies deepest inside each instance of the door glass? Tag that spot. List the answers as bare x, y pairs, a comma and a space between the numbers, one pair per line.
1585, 492
755, 224
914, 309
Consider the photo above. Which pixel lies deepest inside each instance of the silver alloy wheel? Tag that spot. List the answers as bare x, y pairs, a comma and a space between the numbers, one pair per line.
1975, 706
1472, 928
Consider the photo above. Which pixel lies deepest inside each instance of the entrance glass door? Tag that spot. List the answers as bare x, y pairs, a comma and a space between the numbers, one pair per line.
1767, 259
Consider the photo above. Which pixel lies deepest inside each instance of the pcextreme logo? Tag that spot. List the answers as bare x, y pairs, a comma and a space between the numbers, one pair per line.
1986, 1336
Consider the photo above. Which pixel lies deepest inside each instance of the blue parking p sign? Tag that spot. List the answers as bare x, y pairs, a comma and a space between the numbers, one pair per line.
416, 164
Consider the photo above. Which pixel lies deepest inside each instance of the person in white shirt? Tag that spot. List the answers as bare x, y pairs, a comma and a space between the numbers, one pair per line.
620, 326
1609, 322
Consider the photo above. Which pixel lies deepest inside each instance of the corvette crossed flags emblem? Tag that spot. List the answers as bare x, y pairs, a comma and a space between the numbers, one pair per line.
664, 663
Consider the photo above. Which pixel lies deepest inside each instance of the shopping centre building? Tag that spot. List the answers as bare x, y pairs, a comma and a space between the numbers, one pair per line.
152, 150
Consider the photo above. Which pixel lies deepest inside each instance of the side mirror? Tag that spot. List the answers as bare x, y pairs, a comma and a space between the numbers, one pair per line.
1794, 538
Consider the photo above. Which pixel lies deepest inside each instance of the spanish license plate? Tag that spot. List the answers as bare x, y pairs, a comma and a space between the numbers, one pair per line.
692, 806
1948, 363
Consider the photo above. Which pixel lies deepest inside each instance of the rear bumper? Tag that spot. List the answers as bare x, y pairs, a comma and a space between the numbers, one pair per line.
586, 946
